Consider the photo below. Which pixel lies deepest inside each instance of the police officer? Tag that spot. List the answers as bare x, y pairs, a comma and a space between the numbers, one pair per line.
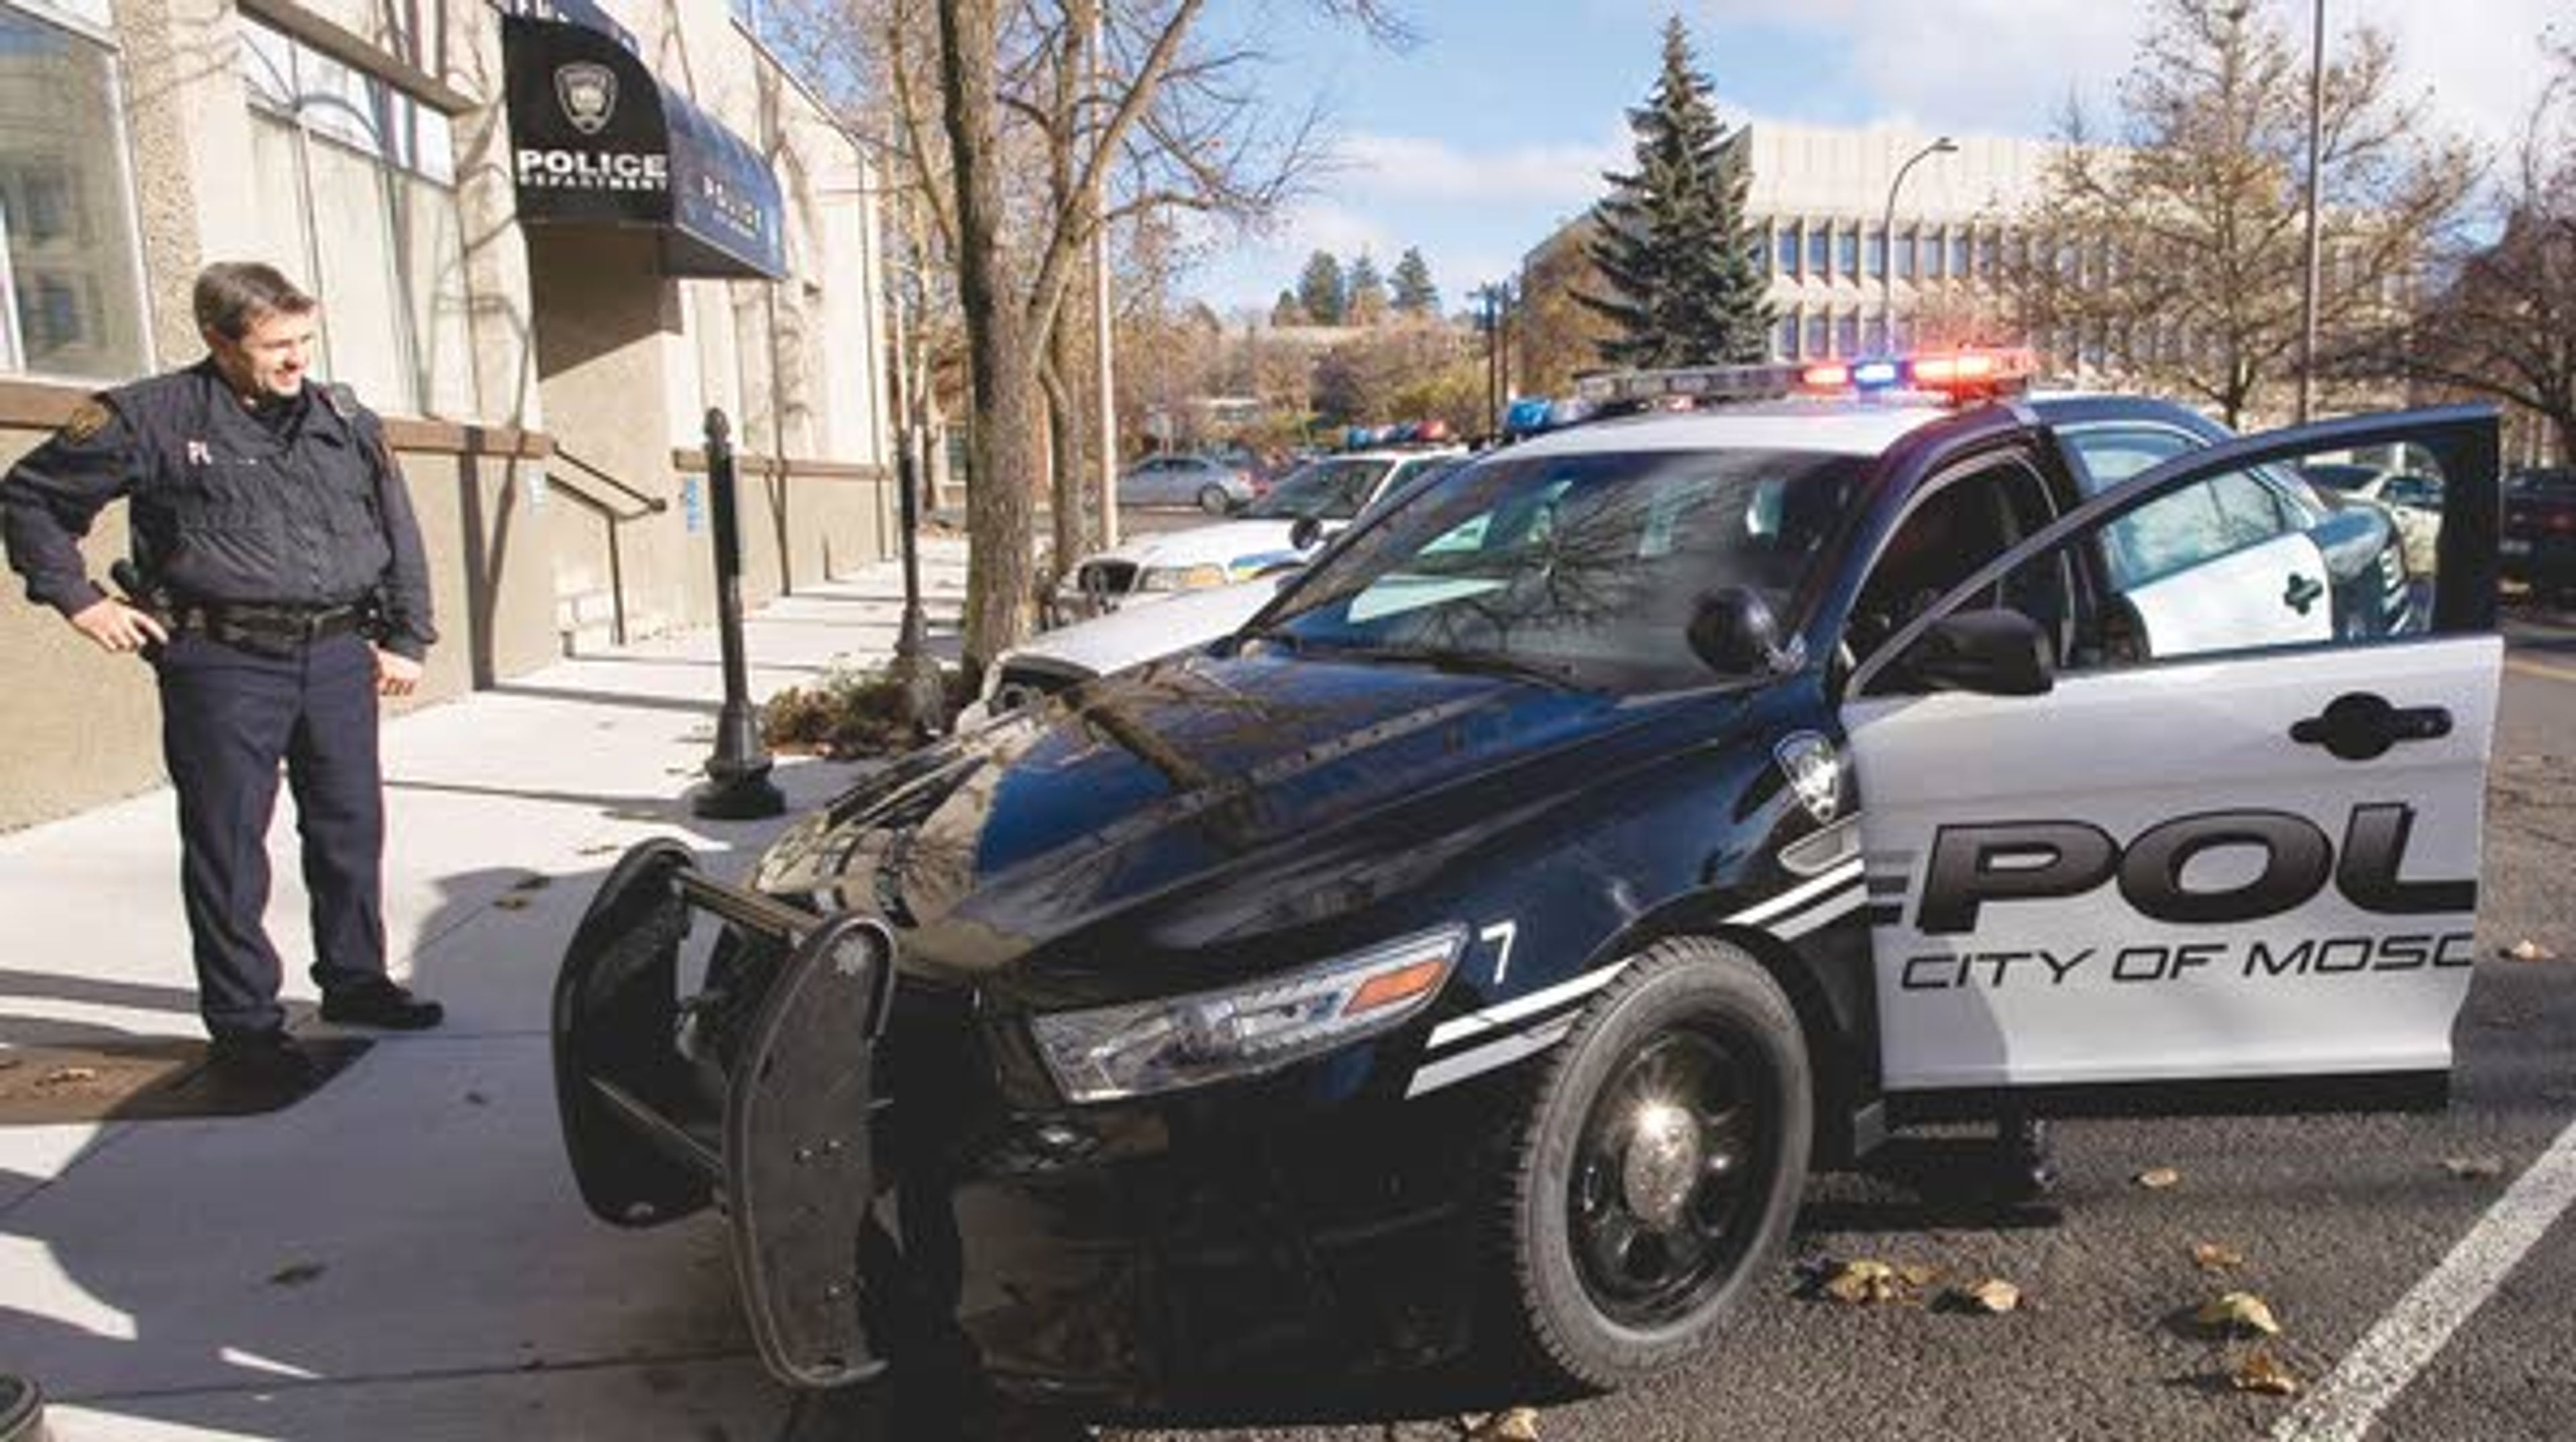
280, 588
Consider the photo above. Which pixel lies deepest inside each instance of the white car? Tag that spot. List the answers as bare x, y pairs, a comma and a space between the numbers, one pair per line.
1261, 537
1060, 659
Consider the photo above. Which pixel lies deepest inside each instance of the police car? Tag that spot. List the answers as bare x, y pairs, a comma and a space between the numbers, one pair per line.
1308, 504
1481, 947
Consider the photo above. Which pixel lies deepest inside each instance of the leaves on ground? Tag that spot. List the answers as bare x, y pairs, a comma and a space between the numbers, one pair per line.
2238, 1312
512, 901
68, 1076
2215, 1256
2263, 1372
1864, 1282
295, 1274
1512, 1424
532, 881
2529, 950
477, 1099
2474, 1169
1994, 1296
2156, 1179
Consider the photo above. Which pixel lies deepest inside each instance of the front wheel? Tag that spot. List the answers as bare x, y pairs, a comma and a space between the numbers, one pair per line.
1213, 500
1656, 1173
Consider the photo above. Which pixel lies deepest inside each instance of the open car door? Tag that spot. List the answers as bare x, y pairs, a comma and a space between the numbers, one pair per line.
2226, 866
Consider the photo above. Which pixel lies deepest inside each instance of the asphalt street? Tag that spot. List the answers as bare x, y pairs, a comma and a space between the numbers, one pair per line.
2337, 1219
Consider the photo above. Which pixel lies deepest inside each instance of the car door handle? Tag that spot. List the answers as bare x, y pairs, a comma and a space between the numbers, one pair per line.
2302, 592
2360, 725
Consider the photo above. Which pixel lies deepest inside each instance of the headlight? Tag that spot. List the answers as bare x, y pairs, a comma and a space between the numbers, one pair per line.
1158, 1046
1181, 578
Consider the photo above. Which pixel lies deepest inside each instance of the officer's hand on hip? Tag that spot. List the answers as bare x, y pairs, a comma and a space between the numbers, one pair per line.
396, 675
116, 626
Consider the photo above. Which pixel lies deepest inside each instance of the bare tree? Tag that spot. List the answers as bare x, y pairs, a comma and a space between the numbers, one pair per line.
2503, 321
2174, 256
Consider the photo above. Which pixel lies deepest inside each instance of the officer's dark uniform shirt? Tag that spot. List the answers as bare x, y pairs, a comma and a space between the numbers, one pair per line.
295, 503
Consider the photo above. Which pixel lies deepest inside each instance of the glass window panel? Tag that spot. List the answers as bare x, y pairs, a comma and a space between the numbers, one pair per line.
1847, 335
74, 301
362, 311
1847, 253
1820, 242
1788, 249
1877, 252
1785, 343
1819, 335
1905, 256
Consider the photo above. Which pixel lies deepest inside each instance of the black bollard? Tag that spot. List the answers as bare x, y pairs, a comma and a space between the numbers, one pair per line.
738, 787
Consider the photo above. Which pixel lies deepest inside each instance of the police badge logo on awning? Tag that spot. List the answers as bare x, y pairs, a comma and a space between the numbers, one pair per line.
588, 92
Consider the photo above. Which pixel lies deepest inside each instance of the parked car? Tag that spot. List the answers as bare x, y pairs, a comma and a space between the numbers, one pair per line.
2413, 502
1212, 485
2539, 545
1307, 505
1483, 945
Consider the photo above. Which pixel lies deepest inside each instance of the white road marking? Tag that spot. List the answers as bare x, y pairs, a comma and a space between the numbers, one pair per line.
2379, 1367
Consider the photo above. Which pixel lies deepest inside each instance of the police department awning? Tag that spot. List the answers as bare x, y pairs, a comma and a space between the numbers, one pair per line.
596, 140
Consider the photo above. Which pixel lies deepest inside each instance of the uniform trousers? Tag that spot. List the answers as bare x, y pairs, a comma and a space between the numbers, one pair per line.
229, 716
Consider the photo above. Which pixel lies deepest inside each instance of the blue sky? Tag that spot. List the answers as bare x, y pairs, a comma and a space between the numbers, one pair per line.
1474, 142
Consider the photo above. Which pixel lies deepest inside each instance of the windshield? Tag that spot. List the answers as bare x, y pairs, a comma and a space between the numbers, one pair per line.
1330, 490
1583, 567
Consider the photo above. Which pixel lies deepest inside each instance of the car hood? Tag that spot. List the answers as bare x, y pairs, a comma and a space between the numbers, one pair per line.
1227, 543
1118, 813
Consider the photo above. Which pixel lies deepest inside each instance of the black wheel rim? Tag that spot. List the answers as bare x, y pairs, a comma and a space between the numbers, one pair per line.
1670, 1175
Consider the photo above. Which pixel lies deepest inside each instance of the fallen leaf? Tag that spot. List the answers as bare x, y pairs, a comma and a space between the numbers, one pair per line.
2156, 1179
1862, 1282
533, 881
2478, 1168
2529, 950
2238, 1310
1918, 1275
295, 1274
64, 1076
1993, 1295
10, 1063
1513, 1424
2262, 1372
477, 1099
511, 901
600, 848
2214, 1257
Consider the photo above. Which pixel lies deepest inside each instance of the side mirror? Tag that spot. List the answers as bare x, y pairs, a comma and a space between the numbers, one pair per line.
1733, 629
1992, 653
1305, 531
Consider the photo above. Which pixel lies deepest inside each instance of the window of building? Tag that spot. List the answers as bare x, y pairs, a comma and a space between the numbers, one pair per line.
1959, 254
1847, 253
1819, 335
1932, 253
1905, 256
355, 181
1787, 250
1989, 255
1820, 260
1784, 343
1847, 334
71, 287
1876, 253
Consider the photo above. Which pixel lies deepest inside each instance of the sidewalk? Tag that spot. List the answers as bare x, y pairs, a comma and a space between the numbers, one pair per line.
400, 1255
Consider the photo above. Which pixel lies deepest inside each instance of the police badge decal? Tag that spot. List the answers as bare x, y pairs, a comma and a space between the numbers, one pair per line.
588, 92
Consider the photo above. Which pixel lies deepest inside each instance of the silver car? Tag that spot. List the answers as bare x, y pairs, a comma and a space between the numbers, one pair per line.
1202, 481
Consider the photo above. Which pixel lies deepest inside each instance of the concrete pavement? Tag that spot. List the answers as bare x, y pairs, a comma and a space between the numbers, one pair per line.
400, 1255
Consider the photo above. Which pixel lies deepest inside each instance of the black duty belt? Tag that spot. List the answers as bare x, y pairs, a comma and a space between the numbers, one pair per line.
270, 625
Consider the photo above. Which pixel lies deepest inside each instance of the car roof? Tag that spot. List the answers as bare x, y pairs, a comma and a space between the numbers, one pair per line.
1395, 453
1833, 427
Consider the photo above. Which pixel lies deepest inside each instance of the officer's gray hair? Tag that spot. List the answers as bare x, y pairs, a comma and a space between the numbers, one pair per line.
232, 296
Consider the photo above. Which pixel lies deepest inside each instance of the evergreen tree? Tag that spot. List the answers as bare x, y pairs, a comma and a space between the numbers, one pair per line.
1364, 297
1319, 289
1286, 310
1415, 295
1671, 241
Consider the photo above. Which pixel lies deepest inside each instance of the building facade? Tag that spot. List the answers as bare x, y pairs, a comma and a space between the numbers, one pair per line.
547, 243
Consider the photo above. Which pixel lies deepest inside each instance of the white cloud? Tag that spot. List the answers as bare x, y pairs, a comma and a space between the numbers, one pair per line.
1415, 168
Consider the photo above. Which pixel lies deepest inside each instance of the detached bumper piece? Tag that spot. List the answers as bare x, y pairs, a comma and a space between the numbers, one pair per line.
782, 1137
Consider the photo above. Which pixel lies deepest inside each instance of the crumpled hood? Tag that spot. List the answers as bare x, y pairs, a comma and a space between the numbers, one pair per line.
1181, 777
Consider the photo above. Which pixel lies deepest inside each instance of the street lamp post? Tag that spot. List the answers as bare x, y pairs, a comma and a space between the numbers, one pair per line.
1944, 145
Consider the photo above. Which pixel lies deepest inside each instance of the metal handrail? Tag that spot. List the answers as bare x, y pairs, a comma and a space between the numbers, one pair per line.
652, 506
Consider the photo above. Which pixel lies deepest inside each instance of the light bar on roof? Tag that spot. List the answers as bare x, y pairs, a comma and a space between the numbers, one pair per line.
1724, 383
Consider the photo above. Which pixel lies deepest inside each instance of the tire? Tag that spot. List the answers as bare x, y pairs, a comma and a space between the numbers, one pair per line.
1626, 1252
1213, 500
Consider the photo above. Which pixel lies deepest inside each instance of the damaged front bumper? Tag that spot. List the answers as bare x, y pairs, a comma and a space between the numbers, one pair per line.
779, 1129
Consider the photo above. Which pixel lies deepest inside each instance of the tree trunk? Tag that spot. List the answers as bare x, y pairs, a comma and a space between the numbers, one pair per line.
1064, 417
1004, 447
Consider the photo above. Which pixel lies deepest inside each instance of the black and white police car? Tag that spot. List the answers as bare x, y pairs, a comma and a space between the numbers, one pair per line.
1481, 946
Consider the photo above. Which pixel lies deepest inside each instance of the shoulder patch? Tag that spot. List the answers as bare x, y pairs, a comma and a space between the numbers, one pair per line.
87, 419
